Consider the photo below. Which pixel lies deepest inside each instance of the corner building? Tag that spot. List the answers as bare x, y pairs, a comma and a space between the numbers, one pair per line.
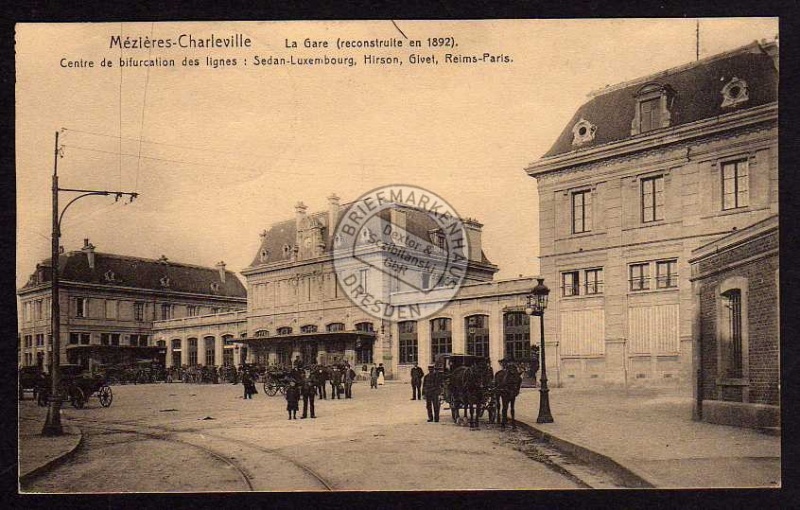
646, 172
110, 304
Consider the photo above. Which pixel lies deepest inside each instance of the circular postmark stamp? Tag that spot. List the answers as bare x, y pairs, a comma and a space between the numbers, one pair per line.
400, 252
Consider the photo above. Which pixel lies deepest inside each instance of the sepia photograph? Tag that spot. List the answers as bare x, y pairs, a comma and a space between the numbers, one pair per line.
315, 256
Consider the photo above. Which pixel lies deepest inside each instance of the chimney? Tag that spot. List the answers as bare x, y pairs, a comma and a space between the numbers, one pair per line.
41, 273
88, 249
397, 217
474, 230
300, 213
221, 268
333, 214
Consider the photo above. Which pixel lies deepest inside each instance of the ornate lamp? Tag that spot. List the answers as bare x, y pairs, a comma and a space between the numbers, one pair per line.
537, 304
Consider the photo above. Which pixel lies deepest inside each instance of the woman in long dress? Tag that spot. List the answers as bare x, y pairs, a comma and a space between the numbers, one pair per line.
381, 378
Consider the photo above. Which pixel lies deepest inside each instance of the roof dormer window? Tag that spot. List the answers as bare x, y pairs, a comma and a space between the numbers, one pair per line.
734, 92
287, 250
165, 282
653, 104
583, 132
214, 287
264, 255
109, 276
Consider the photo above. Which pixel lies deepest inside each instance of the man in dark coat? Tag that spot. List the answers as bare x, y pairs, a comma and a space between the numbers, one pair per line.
431, 389
534, 362
336, 382
349, 376
308, 390
416, 382
322, 377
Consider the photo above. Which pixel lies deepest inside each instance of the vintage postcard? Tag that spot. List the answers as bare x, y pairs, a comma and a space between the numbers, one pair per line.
345, 255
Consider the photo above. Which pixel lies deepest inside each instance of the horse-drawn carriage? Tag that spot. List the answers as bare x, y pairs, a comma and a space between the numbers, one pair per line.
469, 384
276, 380
76, 387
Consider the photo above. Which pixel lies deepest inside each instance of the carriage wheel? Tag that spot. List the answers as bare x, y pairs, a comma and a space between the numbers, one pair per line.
282, 389
270, 389
77, 397
105, 395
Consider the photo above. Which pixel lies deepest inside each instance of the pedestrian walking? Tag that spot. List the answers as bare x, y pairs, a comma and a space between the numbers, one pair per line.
308, 391
381, 374
416, 382
292, 399
349, 378
248, 384
431, 389
373, 377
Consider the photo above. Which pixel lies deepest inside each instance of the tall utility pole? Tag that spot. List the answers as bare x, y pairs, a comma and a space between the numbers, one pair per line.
697, 41
52, 424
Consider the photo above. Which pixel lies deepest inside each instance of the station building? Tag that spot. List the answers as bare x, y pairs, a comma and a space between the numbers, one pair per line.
297, 307
646, 172
108, 304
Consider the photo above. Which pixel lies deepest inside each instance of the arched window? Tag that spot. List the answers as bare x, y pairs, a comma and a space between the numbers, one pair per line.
227, 350
517, 334
210, 342
334, 327
732, 358
441, 337
477, 328
308, 328
365, 327
285, 330
192, 358
408, 342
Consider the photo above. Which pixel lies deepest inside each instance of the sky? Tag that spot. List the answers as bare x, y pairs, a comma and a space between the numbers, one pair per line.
219, 154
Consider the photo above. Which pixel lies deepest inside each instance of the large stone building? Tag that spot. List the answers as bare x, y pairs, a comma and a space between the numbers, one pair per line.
108, 304
298, 307
644, 173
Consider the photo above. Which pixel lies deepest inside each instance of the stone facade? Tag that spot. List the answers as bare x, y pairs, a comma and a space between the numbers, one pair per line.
736, 287
191, 341
298, 308
109, 303
621, 213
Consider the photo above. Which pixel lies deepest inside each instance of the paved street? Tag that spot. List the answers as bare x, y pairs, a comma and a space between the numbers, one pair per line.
185, 437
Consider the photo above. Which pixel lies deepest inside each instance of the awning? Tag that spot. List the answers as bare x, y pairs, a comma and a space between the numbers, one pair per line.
139, 349
360, 337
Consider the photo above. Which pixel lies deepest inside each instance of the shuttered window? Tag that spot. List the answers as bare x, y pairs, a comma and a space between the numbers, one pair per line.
583, 333
653, 329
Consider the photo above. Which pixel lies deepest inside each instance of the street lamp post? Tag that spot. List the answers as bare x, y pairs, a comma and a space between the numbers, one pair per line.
52, 424
537, 303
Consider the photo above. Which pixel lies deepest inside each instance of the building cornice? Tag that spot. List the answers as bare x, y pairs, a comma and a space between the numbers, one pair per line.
136, 290
705, 127
735, 239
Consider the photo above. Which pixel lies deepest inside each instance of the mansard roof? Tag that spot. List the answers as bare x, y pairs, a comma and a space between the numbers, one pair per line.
284, 233
697, 91
140, 273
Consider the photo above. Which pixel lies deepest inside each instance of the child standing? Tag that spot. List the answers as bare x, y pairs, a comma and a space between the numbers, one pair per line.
292, 399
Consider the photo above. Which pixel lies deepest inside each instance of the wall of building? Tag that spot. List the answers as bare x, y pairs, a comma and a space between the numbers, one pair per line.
753, 267
692, 216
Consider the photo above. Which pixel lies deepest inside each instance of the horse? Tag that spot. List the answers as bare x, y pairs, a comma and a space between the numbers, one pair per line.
468, 386
507, 383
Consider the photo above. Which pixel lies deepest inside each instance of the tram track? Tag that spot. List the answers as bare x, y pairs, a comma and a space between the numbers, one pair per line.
166, 434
